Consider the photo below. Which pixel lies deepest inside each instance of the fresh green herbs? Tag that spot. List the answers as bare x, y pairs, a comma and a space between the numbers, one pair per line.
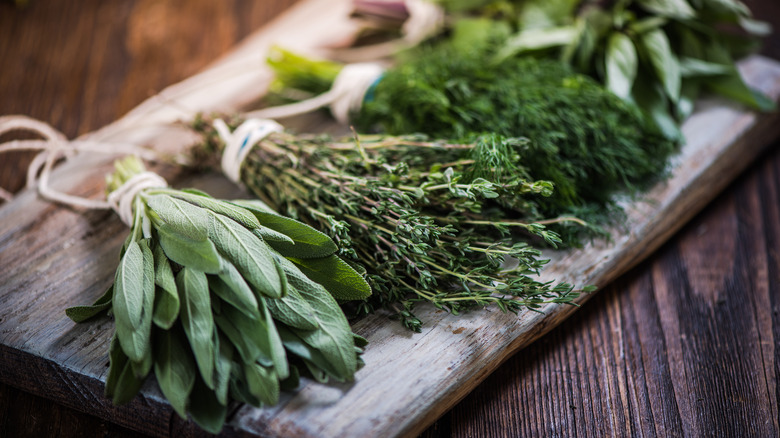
425, 225
223, 300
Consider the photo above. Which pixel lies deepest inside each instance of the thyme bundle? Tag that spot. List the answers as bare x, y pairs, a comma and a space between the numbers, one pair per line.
416, 215
220, 300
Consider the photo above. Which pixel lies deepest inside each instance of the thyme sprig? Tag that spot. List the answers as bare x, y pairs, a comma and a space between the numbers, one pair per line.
414, 214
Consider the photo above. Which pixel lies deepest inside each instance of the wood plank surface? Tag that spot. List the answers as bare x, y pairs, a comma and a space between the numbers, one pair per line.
684, 362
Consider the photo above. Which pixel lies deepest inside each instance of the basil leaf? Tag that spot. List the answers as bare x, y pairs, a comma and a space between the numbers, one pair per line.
262, 383
174, 368
621, 66
121, 383
336, 276
200, 254
307, 242
733, 87
223, 208
133, 301
166, 299
205, 409
231, 287
83, 313
690, 67
665, 65
197, 319
536, 39
249, 253
653, 102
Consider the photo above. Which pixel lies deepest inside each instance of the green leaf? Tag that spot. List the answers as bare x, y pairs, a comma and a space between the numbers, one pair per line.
197, 319
270, 235
692, 67
200, 254
336, 276
121, 383
297, 346
248, 335
333, 338
174, 368
205, 408
180, 217
536, 39
733, 87
621, 66
249, 253
83, 313
664, 63
262, 383
679, 9
653, 102
222, 365
293, 310
224, 208
134, 300
231, 287
308, 242
166, 298
278, 353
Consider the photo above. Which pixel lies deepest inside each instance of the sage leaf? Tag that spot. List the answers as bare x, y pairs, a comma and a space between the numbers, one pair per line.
293, 310
166, 299
200, 254
239, 389
249, 253
270, 235
306, 241
665, 64
297, 346
205, 409
224, 208
83, 313
197, 320
248, 335
679, 9
621, 66
231, 287
333, 338
336, 276
121, 383
222, 364
278, 354
262, 383
133, 300
181, 217
174, 368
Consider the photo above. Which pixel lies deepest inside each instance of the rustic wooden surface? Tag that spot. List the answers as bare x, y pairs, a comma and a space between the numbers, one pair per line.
670, 351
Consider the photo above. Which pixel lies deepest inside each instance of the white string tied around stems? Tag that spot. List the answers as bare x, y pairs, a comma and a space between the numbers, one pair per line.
54, 146
239, 143
345, 96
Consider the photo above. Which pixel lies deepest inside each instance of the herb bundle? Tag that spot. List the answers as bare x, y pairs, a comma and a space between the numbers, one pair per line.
660, 55
223, 301
418, 215
586, 141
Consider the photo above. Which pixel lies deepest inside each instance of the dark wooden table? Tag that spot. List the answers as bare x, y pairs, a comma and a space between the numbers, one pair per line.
683, 345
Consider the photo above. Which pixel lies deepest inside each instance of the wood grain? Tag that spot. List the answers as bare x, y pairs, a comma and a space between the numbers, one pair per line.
543, 416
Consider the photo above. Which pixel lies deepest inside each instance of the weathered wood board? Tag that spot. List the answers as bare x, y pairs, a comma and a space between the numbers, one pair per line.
52, 257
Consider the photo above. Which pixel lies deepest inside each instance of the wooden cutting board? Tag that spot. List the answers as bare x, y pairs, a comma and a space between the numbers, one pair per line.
53, 257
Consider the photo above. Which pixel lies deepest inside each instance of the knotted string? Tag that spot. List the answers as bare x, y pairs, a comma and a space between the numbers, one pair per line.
54, 146
239, 143
344, 98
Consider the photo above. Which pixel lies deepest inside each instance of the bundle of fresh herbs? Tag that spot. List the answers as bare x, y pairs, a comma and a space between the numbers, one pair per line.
223, 300
658, 54
586, 141
428, 221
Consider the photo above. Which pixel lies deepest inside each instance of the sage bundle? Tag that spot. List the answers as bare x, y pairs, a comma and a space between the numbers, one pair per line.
429, 221
221, 300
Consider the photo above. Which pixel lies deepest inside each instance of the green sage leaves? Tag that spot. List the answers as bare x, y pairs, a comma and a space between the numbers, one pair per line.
202, 296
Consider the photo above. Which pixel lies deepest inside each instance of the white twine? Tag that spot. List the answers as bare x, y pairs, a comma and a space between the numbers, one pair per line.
240, 142
54, 146
121, 199
344, 97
